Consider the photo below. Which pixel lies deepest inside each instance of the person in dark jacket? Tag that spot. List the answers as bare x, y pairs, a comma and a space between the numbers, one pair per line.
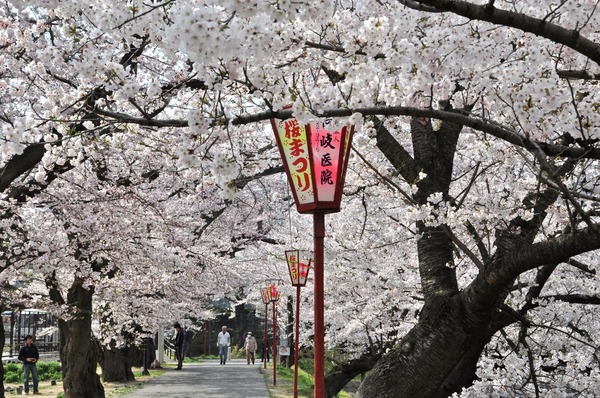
179, 345
29, 355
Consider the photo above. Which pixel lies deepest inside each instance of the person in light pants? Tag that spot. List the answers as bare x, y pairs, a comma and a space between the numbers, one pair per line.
223, 342
250, 347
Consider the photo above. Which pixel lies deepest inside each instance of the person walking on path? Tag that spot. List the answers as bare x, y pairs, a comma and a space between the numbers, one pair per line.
206, 379
179, 345
250, 347
29, 355
223, 342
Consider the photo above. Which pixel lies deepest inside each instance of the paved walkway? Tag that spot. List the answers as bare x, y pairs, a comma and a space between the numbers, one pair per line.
207, 379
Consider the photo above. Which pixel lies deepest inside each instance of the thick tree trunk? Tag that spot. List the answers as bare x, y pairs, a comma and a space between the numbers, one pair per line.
78, 356
338, 377
136, 354
116, 365
426, 356
464, 373
241, 324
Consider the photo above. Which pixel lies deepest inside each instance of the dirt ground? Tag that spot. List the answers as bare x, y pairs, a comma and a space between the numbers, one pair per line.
50, 391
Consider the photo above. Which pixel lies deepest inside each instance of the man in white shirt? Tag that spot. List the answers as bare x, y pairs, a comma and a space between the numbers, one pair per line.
223, 342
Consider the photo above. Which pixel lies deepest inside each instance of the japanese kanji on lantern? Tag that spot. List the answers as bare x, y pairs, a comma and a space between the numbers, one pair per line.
273, 293
315, 160
298, 265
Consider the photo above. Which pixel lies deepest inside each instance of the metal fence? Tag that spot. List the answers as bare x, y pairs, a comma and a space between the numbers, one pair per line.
37, 323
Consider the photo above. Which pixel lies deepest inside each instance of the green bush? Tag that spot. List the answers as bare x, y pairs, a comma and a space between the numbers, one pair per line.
13, 373
12, 367
238, 352
12, 378
49, 371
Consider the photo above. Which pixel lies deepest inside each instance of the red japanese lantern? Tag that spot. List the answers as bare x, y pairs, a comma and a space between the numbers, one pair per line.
315, 160
298, 265
273, 293
264, 293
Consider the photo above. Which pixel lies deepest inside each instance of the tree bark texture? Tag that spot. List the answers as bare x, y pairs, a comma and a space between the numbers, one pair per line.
341, 375
439, 355
78, 356
241, 324
116, 365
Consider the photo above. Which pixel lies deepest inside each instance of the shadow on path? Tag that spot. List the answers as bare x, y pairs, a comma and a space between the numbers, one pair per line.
207, 379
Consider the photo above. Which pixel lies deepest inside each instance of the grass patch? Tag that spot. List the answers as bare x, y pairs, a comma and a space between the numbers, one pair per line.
155, 372
120, 391
111, 389
285, 381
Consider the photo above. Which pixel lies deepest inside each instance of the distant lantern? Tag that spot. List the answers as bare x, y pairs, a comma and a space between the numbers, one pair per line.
315, 160
273, 293
264, 293
298, 265
298, 262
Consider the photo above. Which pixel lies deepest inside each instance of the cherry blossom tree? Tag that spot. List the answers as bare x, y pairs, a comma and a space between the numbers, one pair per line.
137, 165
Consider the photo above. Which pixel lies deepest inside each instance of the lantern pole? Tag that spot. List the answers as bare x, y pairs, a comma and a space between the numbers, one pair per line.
315, 161
274, 343
265, 347
264, 294
319, 297
299, 266
296, 343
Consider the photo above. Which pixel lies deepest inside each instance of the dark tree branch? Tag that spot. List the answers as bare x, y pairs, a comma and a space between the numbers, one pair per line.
549, 251
20, 164
575, 298
539, 27
340, 375
395, 153
579, 265
578, 74
471, 121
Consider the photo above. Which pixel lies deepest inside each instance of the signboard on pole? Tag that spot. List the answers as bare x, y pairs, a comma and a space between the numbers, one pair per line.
284, 350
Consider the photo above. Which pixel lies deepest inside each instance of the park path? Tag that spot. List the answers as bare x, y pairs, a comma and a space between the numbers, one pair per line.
208, 379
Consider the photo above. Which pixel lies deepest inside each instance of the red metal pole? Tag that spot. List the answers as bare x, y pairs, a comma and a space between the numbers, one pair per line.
265, 347
274, 344
319, 297
296, 338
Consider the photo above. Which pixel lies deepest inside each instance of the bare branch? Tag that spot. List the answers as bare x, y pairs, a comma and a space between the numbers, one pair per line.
581, 266
575, 298
463, 247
